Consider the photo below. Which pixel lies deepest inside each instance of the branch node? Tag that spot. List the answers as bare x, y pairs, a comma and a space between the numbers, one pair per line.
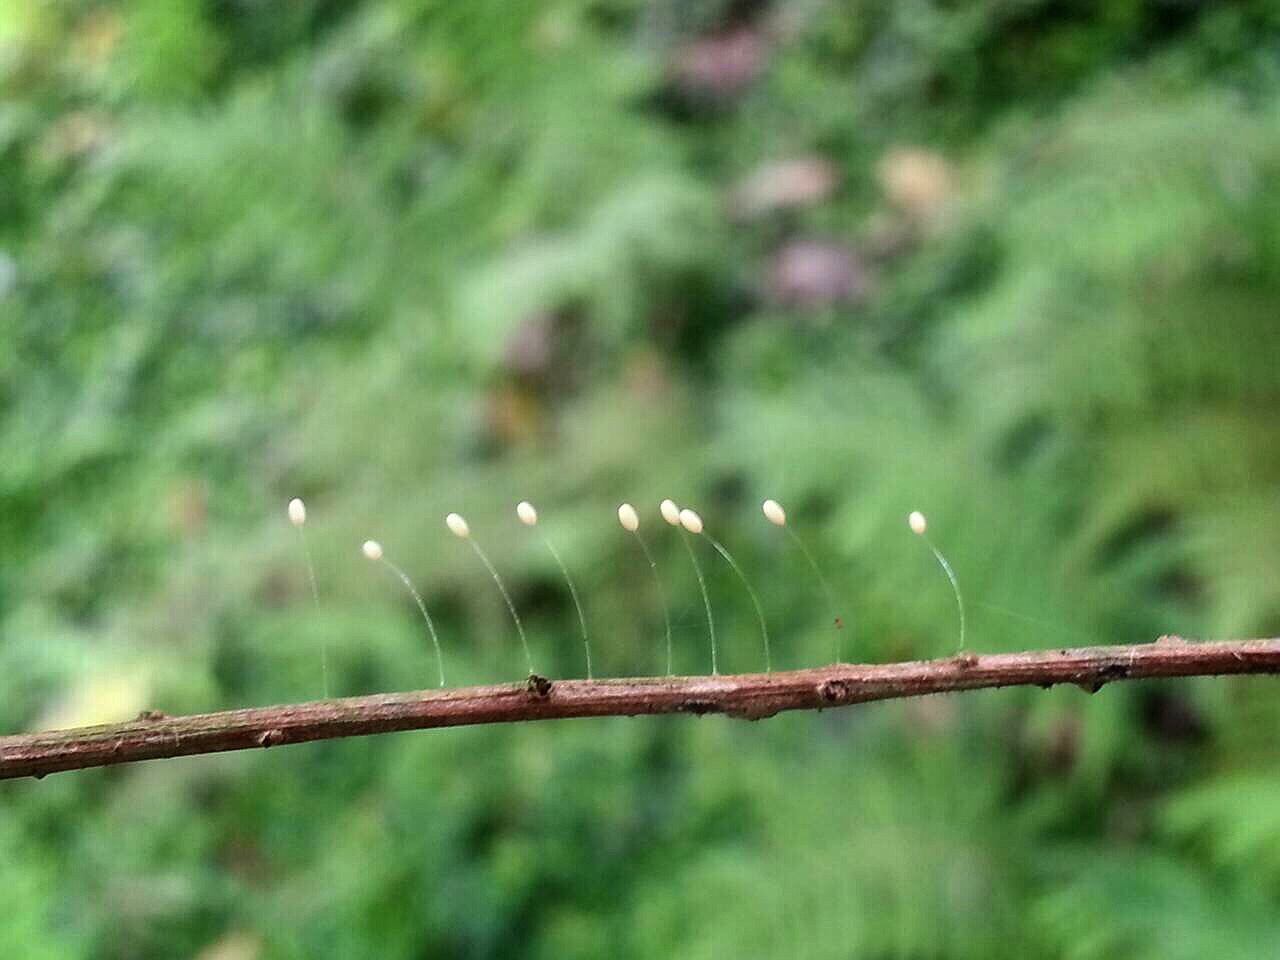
271, 738
153, 715
539, 687
700, 708
751, 710
965, 661
835, 692
1113, 671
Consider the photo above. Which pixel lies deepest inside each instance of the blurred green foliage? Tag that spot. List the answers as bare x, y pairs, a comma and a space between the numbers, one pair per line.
1015, 264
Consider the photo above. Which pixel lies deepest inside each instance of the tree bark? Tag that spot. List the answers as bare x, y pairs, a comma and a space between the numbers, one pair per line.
154, 735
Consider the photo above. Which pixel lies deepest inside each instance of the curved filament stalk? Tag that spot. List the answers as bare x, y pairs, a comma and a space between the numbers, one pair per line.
573, 592
955, 585
755, 600
524, 641
826, 588
431, 627
666, 610
315, 598
706, 600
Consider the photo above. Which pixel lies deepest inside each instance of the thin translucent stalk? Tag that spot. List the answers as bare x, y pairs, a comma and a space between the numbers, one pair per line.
1057, 626
524, 642
826, 587
573, 592
706, 600
666, 610
315, 597
755, 600
955, 586
431, 627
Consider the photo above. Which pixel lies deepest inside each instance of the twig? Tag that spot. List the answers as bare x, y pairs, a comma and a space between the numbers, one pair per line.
748, 696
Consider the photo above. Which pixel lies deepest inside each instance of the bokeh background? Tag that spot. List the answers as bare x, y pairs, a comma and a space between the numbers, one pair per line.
1016, 264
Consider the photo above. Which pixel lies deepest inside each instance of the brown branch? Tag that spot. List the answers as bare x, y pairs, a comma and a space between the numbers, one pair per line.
748, 696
